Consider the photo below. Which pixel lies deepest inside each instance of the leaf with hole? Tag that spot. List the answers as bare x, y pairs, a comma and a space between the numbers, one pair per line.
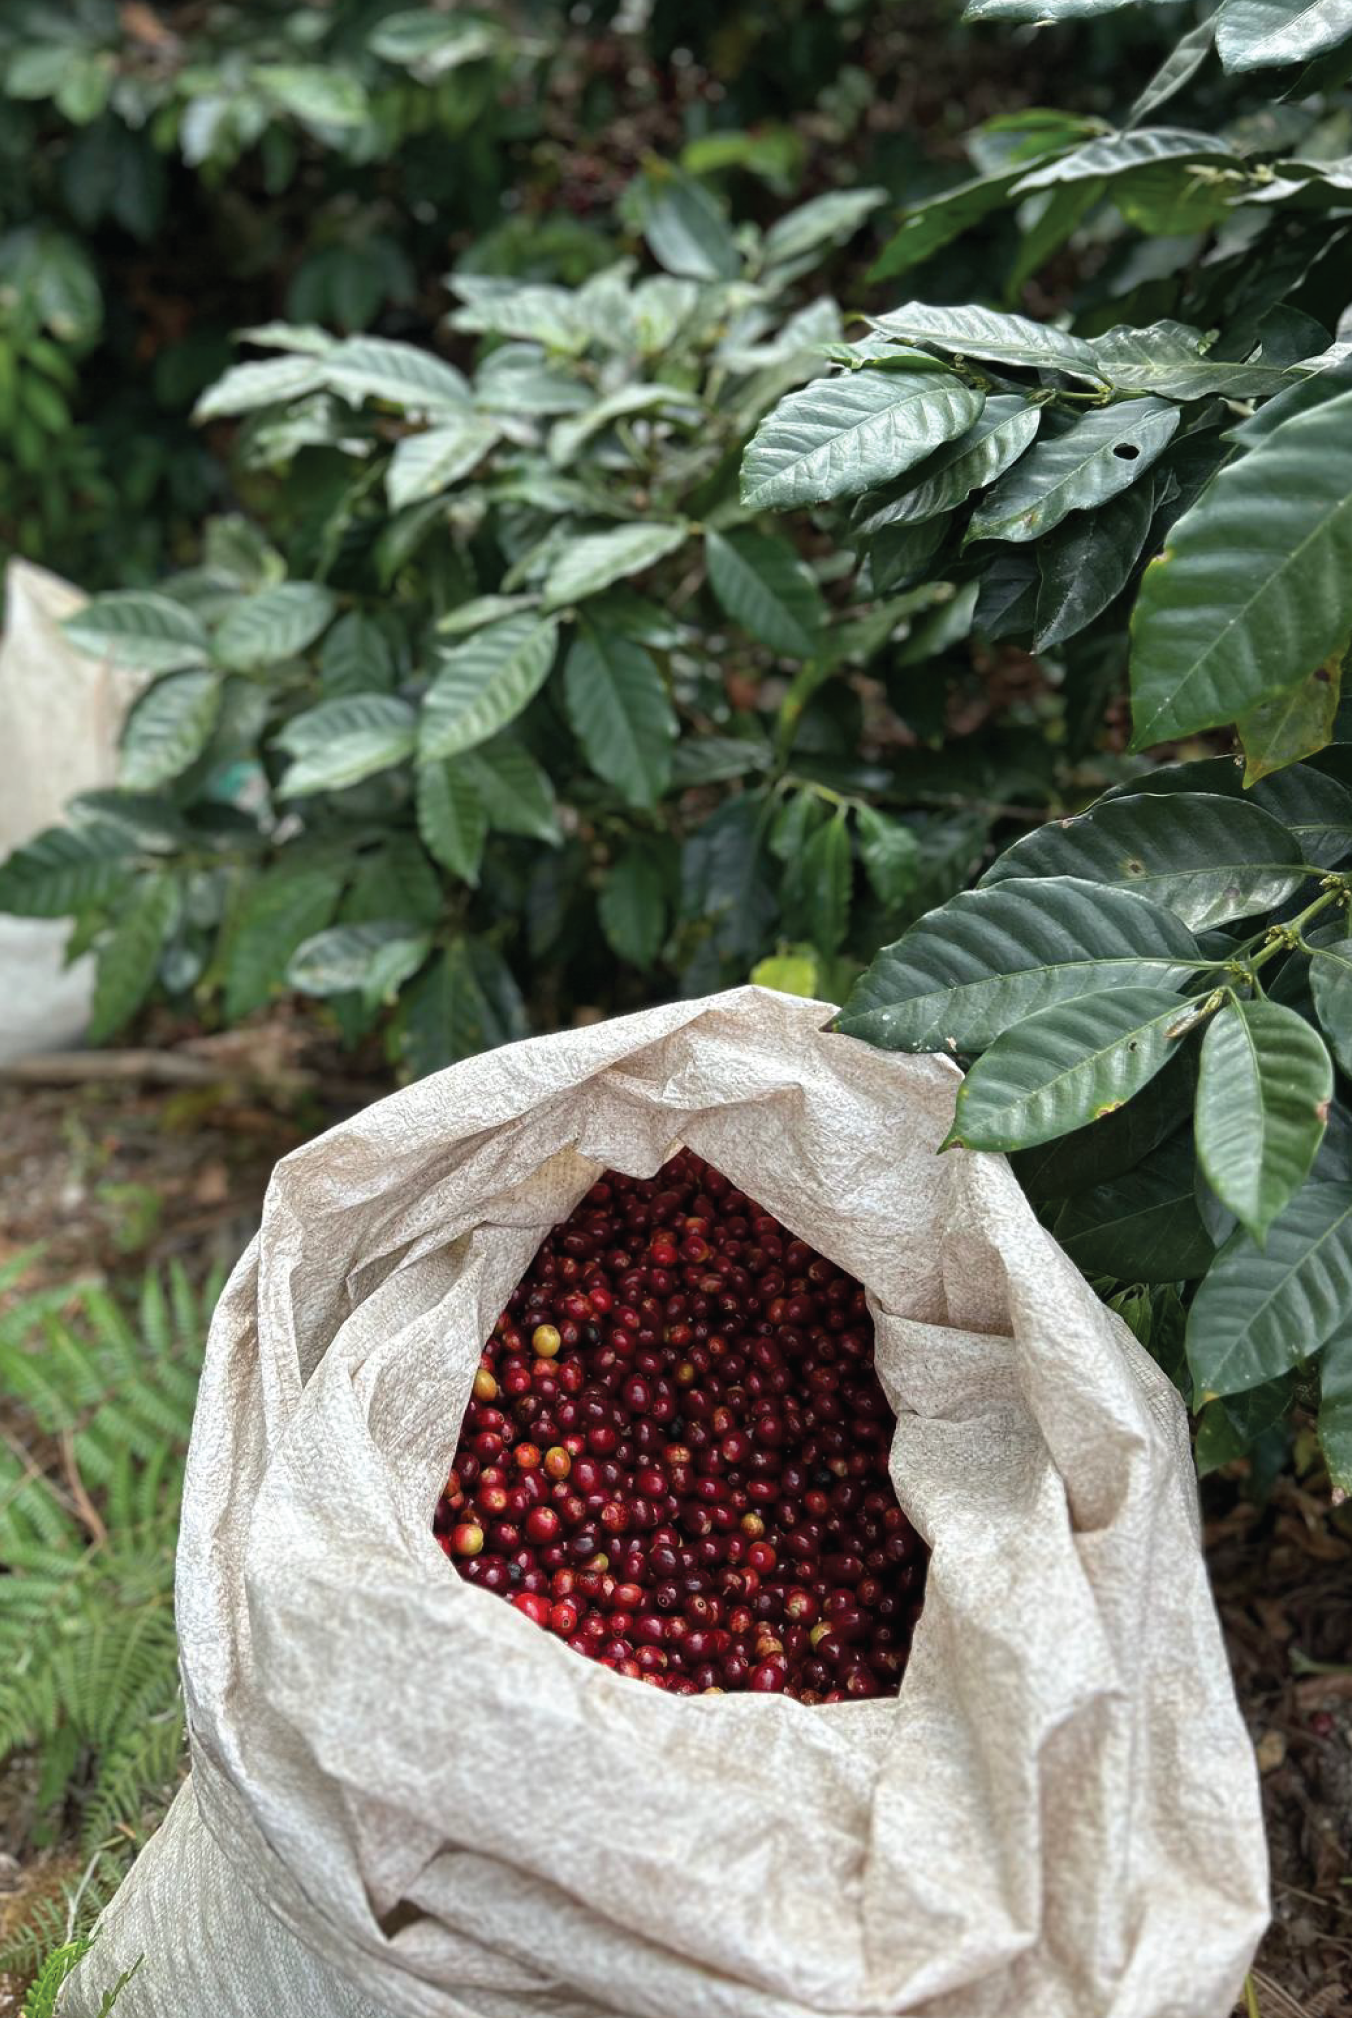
620, 712
587, 565
1251, 592
1067, 1066
1007, 425
985, 333
1264, 1309
169, 728
761, 584
1087, 562
989, 957
1203, 857
1094, 459
483, 683
1114, 154
839, 436
135, 627
1262, 1097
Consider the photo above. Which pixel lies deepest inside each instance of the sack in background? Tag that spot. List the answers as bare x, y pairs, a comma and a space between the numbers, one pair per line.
407, 1799
61, 715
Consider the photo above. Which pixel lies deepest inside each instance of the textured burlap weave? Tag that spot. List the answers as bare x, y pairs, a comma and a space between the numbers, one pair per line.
408, 1800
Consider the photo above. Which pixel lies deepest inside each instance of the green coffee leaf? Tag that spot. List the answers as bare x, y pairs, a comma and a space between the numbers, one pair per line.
1331, 987
632, 906
274, 624
1068, 1065
1249, 595
483, 683
620, 712
989, 957
283, 908
1069, 1165
840, 436
464, 1002
1295, 723
1169, 358
135, 627
343, 741
1264, 1309
64, 869
827, 875
401, 374
826, 220
372, 960
431, 43
1259, 34
1179, 67
685, 227
356, 658
586, 566
1007, 424
1116, 154
169, 728
1097, 456
531, 311
984, 333
315, 92
1203, 857
1143, 1226
1262, 1097
424, 464
890, 854
572, 434
1335, 1409
762, 585
129, 958
451, 817
516, 792
1087, 562
265, 382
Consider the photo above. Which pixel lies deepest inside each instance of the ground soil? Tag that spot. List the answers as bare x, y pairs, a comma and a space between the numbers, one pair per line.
109, 1173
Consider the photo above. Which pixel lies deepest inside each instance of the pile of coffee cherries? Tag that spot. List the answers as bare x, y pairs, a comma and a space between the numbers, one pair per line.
675, 1457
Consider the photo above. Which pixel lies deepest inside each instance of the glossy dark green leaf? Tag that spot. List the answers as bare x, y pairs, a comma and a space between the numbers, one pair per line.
633, 906
284, 907
621, 714
1203, 857
135, 627
1262, 1098
356, 658
1250, 594
686, 228
1331, 987
169, 728
1170, 358
1179, 67
1259, 34
451, 816
1143, 1226
989, 957
516, 791
840, 436
1087, 561
1296, 723
985, 333
1110, 155
1068, 1065
1100, 454
586, 566
1007, 424
483, 683
1071, 1164
1264, 1309
371, 960
64, 869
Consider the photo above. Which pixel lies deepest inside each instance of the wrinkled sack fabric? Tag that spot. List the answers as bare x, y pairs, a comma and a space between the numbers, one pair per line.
406, 1799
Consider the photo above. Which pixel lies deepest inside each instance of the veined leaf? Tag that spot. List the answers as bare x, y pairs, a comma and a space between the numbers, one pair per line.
1259, 34
571, 434
890, 854
1331, 987
376, 367
1251, 592
620, 712
516, 792
762, 585
274, 624
424, 464
1038, 10
1007, 424
685, 227
1169, 358
64, 869
633, 906
989, 957
1099, 455
1143, 1226
282, 909
342, 741
129, 959
261, 382
586, 566
484, 683
315, 92
356, 658
1122, 153
531, 311
1264, 1309
451, 817
840, 436
1088, 561
983, 332
1068, 1065
1295, 723
1262, 1097
135, 627
1203, 857
372, 960
169, 728
825, 220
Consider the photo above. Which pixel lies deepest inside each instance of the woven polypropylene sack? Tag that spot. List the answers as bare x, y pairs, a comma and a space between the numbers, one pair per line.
406, 1799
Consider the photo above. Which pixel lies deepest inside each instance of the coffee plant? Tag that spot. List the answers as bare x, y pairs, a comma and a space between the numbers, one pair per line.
1151, 996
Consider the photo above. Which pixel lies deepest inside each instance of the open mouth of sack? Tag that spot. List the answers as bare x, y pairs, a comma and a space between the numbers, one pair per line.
675, 1457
